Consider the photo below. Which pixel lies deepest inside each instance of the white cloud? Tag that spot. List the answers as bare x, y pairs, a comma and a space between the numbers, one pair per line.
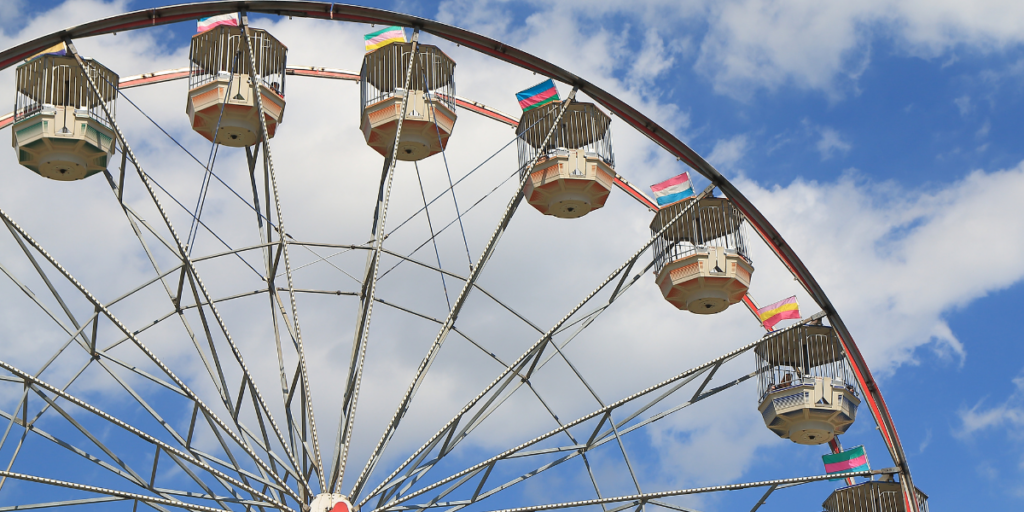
1008, 415
875, 248
727, 152
10, 13
748, 45
831, 143
754, 44
963, 103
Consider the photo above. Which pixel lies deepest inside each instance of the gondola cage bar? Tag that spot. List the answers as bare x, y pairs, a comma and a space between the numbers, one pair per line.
807, 391
431, 115
702, 261
872, 496
575, 171
60, 130
219, 79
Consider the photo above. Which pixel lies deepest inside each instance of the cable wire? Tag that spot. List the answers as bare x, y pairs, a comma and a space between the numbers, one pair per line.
430, 226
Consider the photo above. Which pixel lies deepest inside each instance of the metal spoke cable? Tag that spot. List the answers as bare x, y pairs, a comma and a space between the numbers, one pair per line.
430, 227
595, 440
368, 291
460, 180
207, 412
193, 230
683, 379
269, 165
644, 497
121, 93
203, 224
432, 352
442, 230
537, 348
451, 186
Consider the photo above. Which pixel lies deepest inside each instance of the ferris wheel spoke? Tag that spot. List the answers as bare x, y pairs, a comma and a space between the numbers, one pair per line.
475, 286
49, 286
190, 267
38, 386
673, 384
270, 178
155, 502
66, 503
134, 477
532, 354
152, 356
650, 496
453, 314
266, 238
446, 226
586, 461
622, 447
368, 292
68, 446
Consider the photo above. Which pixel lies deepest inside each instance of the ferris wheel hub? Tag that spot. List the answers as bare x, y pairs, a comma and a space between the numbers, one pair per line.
329, 502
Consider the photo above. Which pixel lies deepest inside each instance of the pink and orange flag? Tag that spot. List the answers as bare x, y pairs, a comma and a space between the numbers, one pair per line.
784, 309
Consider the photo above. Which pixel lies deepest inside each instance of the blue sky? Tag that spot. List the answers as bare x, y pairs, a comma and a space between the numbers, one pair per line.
882, 139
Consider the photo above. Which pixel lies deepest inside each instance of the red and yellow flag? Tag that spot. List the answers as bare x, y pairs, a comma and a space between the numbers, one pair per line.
781, 310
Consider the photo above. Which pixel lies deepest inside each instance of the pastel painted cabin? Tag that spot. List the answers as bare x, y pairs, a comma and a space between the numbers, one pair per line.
701, 260
575, 171
807, 391
430, 114
60, 129
221, 102
884, 495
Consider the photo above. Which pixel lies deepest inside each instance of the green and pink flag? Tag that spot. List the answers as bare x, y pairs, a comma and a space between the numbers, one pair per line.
850, 461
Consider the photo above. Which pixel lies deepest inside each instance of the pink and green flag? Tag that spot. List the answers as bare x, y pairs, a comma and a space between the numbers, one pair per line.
850, 461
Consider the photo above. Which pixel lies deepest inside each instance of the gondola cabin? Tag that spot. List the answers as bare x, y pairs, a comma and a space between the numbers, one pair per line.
872, 496
701, 259
221, 102
60, 130
430, 114
806, 388
575, 170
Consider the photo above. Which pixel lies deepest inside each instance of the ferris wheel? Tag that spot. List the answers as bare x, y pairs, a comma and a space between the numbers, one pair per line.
232, 365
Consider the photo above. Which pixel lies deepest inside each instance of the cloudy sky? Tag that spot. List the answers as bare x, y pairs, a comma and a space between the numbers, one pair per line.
877, 136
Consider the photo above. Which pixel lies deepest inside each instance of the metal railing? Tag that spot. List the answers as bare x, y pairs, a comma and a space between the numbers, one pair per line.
383, 74
872, 496
583, 126
714, 222
58, 82
799, 356
220, 52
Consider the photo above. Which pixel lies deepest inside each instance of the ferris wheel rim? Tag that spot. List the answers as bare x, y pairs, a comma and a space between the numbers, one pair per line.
659, 135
